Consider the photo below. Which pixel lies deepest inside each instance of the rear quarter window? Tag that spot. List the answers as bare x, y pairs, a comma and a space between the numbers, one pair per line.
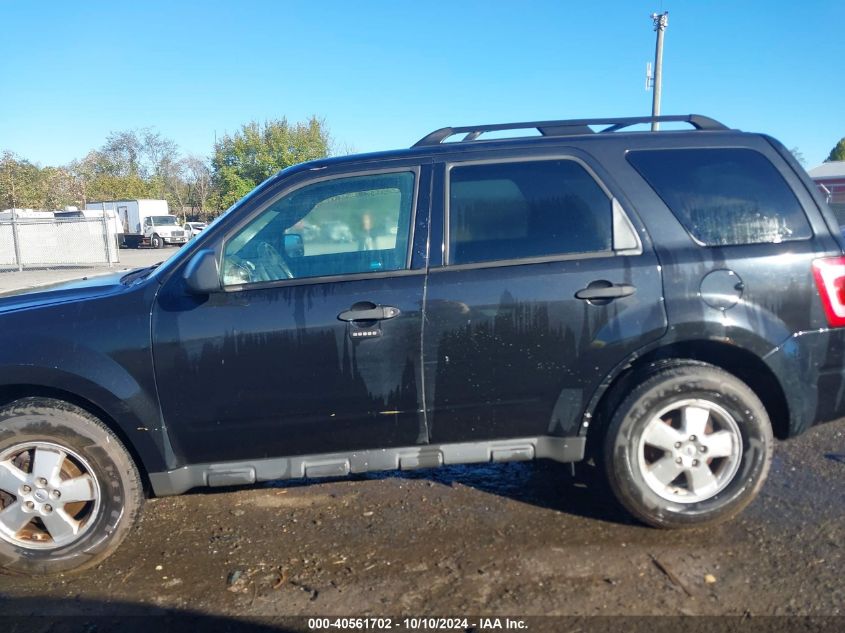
726, 196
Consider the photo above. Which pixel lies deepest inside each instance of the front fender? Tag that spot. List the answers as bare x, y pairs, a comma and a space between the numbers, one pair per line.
108, 387
98, 350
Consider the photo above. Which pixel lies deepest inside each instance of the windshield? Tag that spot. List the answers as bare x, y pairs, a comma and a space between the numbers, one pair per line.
164, 220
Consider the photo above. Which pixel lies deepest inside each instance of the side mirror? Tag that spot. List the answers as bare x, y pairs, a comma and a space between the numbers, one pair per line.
202, 274
294, 246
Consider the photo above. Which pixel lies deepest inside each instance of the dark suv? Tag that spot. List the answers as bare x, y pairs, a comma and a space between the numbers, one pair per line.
664, 303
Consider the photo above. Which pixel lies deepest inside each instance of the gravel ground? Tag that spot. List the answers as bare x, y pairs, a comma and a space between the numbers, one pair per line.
524, 539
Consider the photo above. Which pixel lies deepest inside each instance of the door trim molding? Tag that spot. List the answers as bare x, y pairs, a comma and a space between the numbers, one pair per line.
237, 473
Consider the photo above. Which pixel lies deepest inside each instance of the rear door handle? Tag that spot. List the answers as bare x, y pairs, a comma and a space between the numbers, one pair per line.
605, 290
379, 313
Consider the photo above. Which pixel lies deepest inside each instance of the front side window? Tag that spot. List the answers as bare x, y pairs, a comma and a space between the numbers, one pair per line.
724, 196
528, 209
343, 226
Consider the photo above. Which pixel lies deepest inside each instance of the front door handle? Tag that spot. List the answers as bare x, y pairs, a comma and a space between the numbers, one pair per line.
378, 313
604, 290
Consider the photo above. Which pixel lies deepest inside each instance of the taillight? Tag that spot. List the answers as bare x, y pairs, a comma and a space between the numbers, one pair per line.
830, 279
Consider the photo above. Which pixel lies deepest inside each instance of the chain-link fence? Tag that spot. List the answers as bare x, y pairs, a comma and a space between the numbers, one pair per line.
56, 242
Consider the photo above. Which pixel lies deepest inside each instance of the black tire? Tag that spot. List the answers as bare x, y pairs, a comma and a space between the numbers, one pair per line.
115, 480
156, 241
625, 447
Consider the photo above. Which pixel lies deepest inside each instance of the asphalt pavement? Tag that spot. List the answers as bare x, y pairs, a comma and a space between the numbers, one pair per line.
129, 259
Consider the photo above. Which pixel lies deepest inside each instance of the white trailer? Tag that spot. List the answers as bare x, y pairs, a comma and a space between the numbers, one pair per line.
143, 222
25, 214
112, 221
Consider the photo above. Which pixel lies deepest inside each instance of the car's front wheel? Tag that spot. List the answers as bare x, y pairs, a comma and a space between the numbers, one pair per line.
156, 241
69, 491
690, 445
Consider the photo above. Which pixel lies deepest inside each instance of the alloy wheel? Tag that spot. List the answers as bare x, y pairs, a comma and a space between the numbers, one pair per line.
49, 495
690, 451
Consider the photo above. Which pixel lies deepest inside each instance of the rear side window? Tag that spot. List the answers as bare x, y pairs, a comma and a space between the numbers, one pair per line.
724, 196
526, 209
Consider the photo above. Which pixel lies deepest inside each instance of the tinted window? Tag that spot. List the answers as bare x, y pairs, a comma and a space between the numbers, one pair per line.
724, 196
527, 209
334, 227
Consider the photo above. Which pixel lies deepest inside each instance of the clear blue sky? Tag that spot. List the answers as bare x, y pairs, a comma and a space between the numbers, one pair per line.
383, 74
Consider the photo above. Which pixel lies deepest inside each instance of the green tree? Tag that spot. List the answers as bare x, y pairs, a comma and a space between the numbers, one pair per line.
257, 151
84, 172
838, 152
108, 187
60, 188
21, 183
141, 163
137, 163
108, 175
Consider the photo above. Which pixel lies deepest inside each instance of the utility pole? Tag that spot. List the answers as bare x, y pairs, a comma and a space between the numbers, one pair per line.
661, 21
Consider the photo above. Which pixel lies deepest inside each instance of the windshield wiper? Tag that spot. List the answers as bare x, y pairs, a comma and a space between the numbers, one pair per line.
138, 274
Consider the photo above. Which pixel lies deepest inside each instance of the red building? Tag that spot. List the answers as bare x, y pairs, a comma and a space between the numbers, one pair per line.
830, 179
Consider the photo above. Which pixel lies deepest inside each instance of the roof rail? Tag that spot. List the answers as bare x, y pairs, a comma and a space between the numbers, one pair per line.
568, 127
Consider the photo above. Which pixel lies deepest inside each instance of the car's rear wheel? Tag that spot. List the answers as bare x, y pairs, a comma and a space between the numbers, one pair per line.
69, 491
690, 445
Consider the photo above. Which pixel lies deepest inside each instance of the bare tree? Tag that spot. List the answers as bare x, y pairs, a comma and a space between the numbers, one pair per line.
122, 154
198, 173
172, 176
160, 155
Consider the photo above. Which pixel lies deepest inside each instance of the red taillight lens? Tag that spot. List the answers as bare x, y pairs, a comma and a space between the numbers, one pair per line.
830, 279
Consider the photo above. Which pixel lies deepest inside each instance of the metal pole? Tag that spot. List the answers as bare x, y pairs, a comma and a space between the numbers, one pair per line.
661, 21
16, 239
828, 195
106, 237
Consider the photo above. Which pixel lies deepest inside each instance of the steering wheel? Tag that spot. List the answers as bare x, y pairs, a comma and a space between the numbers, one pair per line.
274, 265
